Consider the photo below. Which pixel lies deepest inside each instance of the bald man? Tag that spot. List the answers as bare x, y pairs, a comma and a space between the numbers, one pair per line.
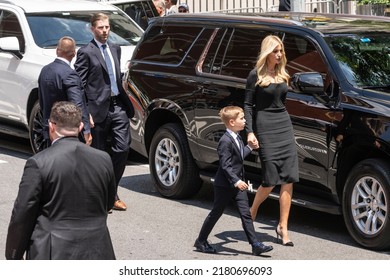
59, 82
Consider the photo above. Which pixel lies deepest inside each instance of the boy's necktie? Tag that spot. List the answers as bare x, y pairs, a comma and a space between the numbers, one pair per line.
241, 145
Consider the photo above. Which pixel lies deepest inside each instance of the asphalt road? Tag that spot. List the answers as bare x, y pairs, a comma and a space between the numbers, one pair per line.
155, 228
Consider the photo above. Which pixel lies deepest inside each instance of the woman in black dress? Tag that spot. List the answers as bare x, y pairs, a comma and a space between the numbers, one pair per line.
269, 126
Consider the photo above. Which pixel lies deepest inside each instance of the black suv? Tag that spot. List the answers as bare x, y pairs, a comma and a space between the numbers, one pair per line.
187, 67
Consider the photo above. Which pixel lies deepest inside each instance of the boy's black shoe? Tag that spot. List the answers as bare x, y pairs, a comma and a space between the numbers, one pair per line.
259, 248
204, 247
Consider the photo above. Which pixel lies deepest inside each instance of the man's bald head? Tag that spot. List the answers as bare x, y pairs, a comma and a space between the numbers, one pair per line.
66, 48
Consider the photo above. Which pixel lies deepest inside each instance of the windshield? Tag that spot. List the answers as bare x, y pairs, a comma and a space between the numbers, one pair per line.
48, 28
364, 58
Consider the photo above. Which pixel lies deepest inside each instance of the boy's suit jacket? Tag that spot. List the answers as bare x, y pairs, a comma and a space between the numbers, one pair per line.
231, 163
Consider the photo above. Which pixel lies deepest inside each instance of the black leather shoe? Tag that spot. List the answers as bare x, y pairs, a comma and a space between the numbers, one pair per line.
259, 248
204, 247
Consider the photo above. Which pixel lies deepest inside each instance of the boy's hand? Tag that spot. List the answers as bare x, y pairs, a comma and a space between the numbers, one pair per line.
254, 146
252, 141
242, 186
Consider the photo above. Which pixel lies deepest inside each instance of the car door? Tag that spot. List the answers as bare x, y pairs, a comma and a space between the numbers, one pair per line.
312, 114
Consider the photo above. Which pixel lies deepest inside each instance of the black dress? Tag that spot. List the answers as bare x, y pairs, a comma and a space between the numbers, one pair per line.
264, 108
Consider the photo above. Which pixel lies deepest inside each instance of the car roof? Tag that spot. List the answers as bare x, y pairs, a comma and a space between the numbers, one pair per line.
324, 23
222, 17
34, 6
337, 23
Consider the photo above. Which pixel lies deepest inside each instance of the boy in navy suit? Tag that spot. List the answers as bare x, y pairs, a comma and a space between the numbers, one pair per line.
229, 182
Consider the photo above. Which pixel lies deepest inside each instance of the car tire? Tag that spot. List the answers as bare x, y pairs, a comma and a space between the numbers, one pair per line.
36, 125
366, 204
172, 166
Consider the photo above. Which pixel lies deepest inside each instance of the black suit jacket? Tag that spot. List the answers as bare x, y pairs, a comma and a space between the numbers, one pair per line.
59, 82
91, 67
231, 163
61, 208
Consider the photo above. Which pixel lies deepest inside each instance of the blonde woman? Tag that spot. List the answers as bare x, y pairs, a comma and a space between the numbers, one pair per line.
269, 126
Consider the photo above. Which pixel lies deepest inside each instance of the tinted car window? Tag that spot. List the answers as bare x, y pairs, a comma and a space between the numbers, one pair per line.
169, 45
237, 62
302, 56
230, 60
208, 64
48, 27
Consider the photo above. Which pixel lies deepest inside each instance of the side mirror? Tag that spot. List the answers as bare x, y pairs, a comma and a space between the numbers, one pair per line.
10, 45
308, 83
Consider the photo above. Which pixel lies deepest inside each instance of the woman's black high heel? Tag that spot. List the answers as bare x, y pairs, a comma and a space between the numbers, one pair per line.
279, 234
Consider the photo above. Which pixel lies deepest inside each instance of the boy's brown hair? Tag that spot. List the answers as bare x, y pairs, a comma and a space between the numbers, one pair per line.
229, 113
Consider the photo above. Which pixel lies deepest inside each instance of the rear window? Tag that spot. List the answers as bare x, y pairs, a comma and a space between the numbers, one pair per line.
167, 44
234, 52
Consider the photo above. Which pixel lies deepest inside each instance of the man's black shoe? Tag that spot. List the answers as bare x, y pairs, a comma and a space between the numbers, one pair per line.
204, 247
259, 248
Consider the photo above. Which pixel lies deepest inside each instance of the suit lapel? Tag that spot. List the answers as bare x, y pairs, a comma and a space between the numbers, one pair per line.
96, 51
234, 143
99, 56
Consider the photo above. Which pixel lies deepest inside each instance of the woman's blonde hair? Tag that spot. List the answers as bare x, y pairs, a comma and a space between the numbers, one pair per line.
268, 45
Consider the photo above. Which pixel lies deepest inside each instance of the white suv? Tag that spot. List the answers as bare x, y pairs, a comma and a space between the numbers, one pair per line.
29, 32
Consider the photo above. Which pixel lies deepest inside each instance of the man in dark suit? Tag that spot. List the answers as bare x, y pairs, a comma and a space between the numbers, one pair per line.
60, 212
98, 65
59, 82
229, 182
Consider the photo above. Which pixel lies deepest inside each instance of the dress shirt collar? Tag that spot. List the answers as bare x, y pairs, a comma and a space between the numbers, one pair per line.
235, 137
64, 60
100, 44
232, 133
63, 137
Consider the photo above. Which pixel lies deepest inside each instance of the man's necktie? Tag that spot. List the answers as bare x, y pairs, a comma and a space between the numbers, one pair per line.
114, 87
